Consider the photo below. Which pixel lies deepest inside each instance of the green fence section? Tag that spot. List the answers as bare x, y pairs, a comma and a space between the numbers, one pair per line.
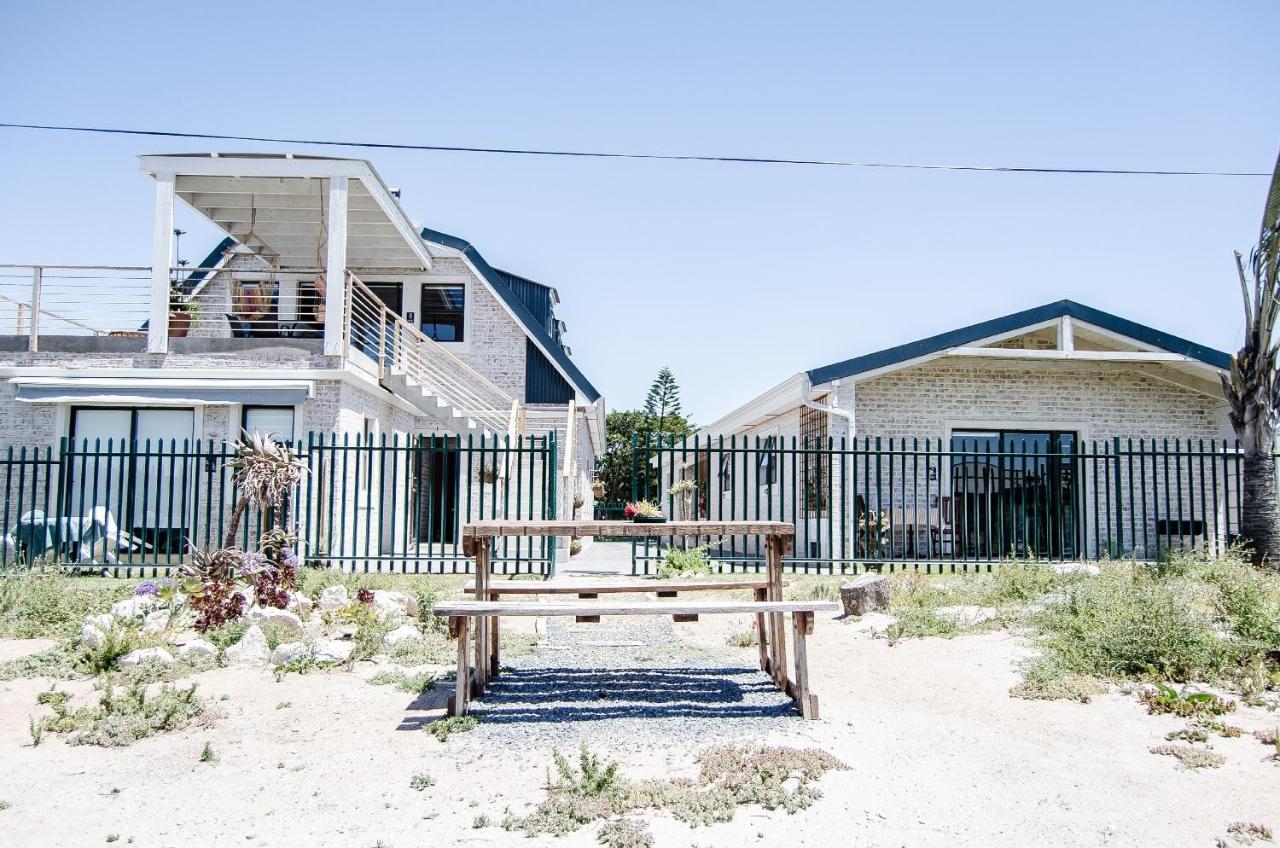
383, 504
982, 499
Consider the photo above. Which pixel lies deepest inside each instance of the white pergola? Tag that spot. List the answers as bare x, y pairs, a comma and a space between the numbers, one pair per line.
311, 214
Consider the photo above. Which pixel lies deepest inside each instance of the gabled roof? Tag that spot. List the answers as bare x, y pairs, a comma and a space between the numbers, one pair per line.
1010, 323
501, 285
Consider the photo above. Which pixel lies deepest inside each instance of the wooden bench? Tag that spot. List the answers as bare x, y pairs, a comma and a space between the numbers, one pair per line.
593, 589
473, 681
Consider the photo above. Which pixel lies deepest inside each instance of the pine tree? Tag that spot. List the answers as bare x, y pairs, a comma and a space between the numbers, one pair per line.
663, 400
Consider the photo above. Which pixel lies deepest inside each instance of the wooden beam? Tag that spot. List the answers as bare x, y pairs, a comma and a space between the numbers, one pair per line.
565, 608
539, 527
1079, 355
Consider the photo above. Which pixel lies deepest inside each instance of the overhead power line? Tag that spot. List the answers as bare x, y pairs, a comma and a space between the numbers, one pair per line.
588, 154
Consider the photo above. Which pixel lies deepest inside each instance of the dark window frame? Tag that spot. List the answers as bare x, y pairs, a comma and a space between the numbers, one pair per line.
443, 317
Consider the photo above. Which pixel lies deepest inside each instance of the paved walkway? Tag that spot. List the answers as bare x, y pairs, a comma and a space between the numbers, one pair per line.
599, 558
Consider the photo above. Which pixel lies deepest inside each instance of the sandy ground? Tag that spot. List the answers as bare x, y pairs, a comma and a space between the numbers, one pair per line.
939, 755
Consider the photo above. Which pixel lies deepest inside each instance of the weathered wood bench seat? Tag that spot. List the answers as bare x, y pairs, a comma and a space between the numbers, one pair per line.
459, 614
590, 589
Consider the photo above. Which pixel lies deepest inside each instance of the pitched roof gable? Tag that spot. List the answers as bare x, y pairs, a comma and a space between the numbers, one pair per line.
532, 326
1009, 323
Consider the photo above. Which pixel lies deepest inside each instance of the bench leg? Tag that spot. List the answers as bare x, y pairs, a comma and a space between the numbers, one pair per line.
495, 663
802, 626
762, 641
483, 547
777, 621
461, 686
587, 619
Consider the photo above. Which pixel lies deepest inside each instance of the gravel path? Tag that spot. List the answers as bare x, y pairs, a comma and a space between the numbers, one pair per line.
627, 678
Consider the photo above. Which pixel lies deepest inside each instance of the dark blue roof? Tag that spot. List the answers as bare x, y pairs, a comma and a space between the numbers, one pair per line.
500, 283
215, 256
1008, 323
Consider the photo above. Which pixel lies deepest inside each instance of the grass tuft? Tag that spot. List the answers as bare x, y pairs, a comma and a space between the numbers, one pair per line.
443, 728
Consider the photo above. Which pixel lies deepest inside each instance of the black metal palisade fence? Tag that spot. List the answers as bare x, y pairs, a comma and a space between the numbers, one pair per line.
894, 503
365, 504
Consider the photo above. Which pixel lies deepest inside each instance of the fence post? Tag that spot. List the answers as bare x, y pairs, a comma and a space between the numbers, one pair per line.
37, 281
551, 472
1119, 499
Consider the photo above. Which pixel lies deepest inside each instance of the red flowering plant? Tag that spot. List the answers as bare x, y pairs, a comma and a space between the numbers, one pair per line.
272, 570
209, 581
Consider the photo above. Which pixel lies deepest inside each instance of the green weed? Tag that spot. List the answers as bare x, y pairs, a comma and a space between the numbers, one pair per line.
443, 728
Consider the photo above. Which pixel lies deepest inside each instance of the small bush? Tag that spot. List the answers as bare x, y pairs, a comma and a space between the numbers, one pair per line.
419, 782
1191, 757
481, 821
54, 604
685, 562
730, 776
1165, 699
1247, 832
122, 718
742, 639
207, 754
57, 663
625, 833
414, 684
1044, 681
443, 728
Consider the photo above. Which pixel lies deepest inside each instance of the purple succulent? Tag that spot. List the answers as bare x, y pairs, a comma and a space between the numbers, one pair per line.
146, 587
289, 557
253, 562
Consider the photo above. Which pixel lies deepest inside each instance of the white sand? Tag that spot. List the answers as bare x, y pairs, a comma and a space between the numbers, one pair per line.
939, 755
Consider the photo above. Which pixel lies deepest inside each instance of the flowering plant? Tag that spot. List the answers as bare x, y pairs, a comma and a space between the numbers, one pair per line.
684, 491
642, 509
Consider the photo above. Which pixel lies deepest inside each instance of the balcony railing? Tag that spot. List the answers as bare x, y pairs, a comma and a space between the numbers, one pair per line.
42, 301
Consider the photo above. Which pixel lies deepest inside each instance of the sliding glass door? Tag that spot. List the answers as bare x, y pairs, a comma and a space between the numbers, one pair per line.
1014, 493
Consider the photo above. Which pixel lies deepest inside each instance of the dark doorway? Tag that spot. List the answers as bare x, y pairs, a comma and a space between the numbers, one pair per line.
436, 469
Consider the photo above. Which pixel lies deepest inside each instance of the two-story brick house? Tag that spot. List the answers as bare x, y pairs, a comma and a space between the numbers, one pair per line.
324, 311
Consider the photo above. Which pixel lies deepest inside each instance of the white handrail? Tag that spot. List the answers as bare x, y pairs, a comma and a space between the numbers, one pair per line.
402, 348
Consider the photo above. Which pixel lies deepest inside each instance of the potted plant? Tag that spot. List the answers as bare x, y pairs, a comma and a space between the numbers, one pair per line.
182, 311
597, 489
644, 512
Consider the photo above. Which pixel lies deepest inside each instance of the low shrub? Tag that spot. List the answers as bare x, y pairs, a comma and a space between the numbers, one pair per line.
625, 833
121, 717
1044, 681
419, 782
443, 728
685, 562
414, 684
57, 663
1163, 699
54, 604
1190, 756
742, 639
730, 776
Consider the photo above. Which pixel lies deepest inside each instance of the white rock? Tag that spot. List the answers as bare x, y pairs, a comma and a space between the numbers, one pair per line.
133, 608
395, 602
251, 649
143, 655
967, 616
1075, 568
155, 623
282, 618
333, 651
300, 603
198, 649
335, 597
103, 622
288, 652
404, 633
91, 637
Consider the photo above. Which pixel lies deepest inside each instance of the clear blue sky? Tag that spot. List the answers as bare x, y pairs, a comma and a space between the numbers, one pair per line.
734, 275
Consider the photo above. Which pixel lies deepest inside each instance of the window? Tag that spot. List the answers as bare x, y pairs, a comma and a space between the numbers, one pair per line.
768, 464
442, 312
275, 422
817, 462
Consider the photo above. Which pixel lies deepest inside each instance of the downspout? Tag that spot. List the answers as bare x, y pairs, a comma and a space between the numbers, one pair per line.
846, 414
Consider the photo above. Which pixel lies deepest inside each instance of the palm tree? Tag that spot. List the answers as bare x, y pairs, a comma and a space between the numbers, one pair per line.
1253, 388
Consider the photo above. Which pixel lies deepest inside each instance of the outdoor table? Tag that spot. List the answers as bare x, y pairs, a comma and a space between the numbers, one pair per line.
478, 541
